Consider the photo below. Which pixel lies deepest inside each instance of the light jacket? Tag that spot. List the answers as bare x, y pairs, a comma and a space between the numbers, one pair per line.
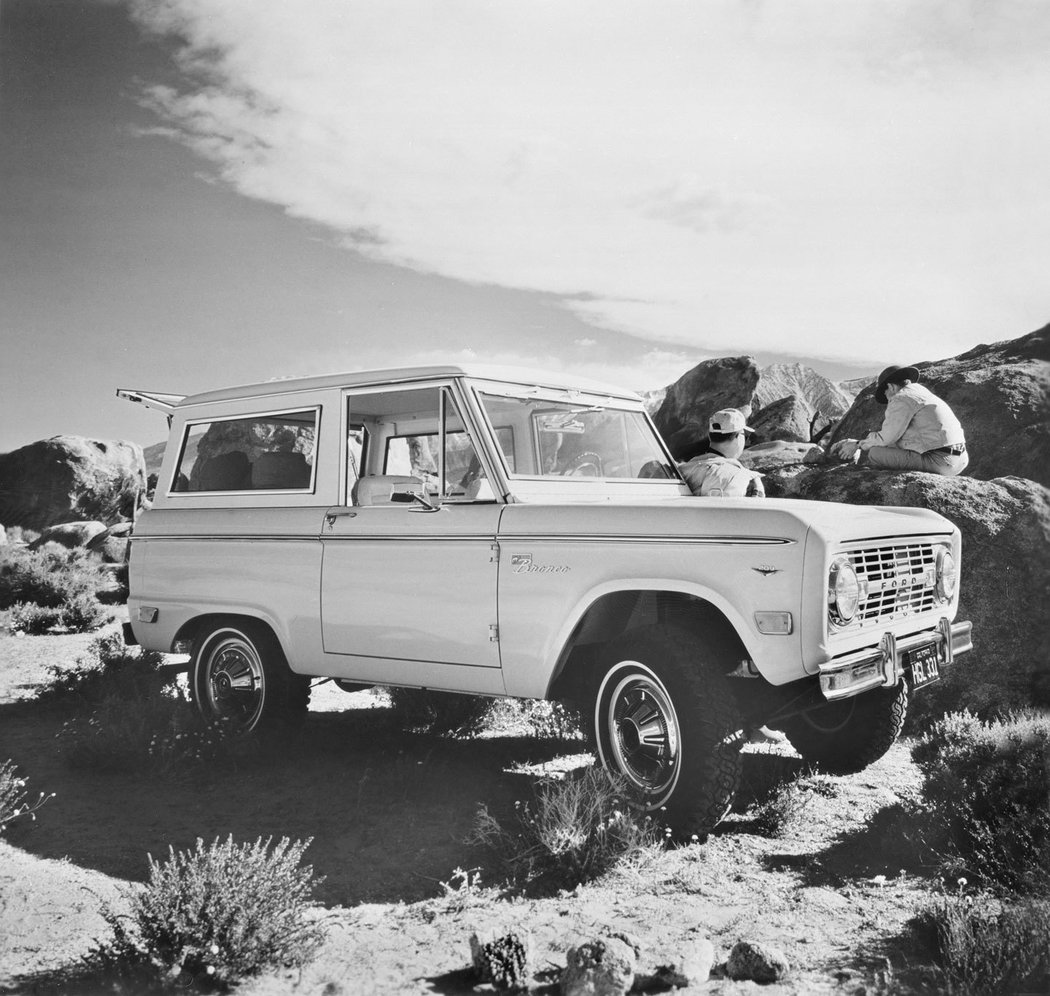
720, 476
916, 419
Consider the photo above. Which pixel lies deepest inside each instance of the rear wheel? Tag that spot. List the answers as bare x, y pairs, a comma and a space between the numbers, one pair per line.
846, 736
667, 722
241, 679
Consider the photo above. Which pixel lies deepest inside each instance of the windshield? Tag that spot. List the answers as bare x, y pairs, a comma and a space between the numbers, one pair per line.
541, 437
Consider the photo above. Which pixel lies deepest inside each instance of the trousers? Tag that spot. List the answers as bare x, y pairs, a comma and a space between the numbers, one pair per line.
896, 458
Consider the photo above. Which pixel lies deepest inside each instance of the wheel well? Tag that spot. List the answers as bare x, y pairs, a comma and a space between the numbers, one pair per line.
620, 613
190, 632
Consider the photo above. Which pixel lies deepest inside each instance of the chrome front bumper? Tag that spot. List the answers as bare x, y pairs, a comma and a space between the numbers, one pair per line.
883, 665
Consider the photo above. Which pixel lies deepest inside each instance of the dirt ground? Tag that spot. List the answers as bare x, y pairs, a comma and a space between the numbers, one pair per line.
388, 813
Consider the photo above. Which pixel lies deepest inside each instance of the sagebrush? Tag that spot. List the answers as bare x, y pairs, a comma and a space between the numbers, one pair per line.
129, 714
218, 913
14, 800
52, 587
984, 944
988, 785
571, 831
442, 713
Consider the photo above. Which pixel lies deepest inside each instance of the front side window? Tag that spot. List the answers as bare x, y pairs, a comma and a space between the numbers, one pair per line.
412, 439
556, 438
271, 452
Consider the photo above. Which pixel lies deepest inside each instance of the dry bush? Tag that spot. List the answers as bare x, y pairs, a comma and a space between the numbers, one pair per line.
441, 713
572, 831
988, 784
984, 945
216, 914
13, 798
51, 588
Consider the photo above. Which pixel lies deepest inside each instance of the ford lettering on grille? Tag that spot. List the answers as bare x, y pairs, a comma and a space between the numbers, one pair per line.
895, 581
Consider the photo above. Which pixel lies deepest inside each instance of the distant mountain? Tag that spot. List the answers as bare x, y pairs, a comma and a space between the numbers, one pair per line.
814, 392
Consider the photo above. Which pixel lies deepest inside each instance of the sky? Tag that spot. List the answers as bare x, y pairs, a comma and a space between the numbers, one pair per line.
195, 194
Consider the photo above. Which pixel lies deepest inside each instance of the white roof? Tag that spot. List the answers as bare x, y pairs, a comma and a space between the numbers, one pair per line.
408, 375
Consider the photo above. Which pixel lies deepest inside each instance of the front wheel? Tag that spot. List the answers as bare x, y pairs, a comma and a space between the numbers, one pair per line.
844, 737
666, 722
241, 679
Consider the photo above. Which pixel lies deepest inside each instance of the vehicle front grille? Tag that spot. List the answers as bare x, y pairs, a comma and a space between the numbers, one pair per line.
895, 581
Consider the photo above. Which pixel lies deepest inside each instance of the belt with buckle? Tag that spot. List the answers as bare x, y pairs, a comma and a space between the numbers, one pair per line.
957, 450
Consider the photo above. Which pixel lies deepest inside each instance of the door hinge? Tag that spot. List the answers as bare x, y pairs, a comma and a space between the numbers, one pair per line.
494, 553
493, 633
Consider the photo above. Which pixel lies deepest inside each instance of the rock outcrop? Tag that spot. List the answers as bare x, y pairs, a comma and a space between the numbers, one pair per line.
69, 534
787, 419
1000, 394
691, 400
69, 479
769, 456
1005, 577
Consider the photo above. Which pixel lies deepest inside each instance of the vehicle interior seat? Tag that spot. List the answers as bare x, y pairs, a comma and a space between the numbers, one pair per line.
280, 470
377, 489
230, 471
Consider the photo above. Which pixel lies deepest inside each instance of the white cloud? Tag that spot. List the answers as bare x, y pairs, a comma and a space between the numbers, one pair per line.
850, 179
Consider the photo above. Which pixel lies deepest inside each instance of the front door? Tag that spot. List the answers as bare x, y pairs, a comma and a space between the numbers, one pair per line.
402, 583
412, 580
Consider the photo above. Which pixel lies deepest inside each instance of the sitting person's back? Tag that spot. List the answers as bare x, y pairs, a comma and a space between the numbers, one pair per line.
719, 472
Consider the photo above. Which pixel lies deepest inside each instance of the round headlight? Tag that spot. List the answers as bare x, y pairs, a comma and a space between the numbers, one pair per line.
843, 591
946, 575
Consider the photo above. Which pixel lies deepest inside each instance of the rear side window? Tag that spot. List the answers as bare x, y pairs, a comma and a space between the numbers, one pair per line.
271, 452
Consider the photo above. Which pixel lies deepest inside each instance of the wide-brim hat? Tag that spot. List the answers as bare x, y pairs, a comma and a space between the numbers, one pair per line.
893, 375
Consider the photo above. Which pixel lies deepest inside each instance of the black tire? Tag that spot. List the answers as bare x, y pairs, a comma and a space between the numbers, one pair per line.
845, 737
667, 722
241, 679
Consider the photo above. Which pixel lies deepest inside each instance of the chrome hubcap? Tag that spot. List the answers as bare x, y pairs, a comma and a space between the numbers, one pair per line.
643, 735
235, 685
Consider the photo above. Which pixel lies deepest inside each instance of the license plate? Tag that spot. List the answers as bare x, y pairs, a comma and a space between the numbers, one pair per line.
925, 665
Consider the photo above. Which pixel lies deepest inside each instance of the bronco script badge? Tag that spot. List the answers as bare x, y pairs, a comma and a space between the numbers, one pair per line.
521, 563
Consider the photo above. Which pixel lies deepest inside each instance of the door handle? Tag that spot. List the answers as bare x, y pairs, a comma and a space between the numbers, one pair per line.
330, 517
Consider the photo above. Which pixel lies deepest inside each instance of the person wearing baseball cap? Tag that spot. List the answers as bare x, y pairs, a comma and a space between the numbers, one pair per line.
919, 430
719, 472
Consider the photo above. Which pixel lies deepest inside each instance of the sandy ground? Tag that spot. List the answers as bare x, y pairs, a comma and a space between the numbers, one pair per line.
388, 813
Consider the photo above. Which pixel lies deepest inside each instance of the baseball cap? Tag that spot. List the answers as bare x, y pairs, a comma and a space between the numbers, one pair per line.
728, 420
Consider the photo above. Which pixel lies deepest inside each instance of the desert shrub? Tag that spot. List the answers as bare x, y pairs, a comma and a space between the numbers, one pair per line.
160, 733
985, 946
32, 582
572, 831
988, 784
541, 718
216, 914
130, 715
13, 798
109, 667
441, 713
781, 809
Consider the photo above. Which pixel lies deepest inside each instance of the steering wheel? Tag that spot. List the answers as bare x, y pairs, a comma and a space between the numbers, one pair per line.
587, 464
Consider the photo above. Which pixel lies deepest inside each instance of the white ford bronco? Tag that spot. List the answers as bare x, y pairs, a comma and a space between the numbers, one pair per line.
497, 533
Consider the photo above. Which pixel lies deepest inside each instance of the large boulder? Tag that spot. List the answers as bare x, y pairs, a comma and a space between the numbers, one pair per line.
1000, 394
70, 534
787, 419
691, 400
70, 479
1005, 578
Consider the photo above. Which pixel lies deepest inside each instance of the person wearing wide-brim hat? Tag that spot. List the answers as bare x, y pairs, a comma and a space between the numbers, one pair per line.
919, 430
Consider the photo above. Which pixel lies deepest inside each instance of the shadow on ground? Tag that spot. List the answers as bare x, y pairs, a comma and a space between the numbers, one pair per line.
388, 811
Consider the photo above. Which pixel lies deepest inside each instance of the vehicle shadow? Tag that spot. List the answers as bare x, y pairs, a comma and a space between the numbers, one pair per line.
388, 811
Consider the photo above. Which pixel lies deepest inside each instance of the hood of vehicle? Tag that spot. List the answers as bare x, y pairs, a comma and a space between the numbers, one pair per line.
756, 518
